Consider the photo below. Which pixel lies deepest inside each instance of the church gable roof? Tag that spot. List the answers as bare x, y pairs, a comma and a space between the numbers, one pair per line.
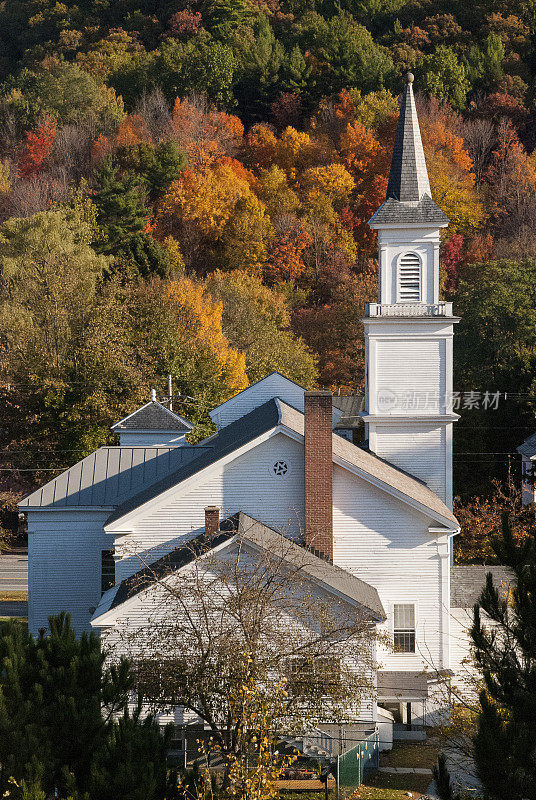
261, 537
273, 415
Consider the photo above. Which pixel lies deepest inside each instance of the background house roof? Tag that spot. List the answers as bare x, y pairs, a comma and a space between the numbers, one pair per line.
153, 417
528, 448
402, 685
467, 582
349, 406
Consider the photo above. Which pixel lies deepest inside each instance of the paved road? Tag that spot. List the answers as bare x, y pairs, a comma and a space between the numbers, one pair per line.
14, 571
13, 608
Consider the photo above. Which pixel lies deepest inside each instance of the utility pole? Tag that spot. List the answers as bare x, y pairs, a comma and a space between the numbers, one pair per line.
170, 392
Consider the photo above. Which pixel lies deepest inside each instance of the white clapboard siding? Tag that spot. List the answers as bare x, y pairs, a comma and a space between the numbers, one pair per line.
247, 484
137, 632
385, 543
418, 449
64, 565
467, 679
413, 370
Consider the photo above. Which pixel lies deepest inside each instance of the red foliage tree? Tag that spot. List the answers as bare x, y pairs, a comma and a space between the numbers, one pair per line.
184, 24
37, 148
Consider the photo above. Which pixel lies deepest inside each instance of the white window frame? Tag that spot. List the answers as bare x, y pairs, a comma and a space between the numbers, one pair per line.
415, 622
399, 298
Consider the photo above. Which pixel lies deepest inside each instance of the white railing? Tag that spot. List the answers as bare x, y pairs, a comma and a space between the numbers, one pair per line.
409, 309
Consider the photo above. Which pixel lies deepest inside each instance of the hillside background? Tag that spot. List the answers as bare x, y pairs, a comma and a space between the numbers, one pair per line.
185, 187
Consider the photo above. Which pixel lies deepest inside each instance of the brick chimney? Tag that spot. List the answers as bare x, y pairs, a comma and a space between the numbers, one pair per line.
212, 520
319, 473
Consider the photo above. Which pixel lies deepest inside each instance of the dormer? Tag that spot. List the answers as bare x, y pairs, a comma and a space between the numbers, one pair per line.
153, 425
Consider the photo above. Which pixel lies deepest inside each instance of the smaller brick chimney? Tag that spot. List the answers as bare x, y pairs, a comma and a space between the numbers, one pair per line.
319, 473
212, 520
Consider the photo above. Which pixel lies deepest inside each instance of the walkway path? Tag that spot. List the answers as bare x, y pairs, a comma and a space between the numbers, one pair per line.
406, 770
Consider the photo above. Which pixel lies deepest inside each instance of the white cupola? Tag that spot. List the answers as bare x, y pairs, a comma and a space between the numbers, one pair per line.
409, 332
153, 425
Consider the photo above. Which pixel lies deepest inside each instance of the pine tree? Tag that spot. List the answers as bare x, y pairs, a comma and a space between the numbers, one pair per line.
505, 650
57, 732
122, 212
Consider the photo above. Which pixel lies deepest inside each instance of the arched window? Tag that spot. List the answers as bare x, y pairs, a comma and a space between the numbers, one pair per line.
409, 278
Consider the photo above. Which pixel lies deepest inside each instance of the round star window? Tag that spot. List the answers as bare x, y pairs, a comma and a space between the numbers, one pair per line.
280, 468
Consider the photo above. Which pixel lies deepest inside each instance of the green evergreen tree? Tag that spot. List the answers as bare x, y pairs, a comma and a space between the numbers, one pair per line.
57, 733
443, 75
158, 165
122, 211
505, 651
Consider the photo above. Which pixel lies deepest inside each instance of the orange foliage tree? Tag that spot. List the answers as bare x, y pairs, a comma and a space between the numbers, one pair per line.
452, 179
480, 521
204, 133
37, 147
285, 261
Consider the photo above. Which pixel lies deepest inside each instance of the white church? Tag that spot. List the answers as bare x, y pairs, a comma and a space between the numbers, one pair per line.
379, 513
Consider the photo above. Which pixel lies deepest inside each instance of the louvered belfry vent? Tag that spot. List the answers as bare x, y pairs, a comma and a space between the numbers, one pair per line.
409, 278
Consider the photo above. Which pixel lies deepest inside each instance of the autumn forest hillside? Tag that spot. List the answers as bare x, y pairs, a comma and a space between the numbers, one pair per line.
185, 188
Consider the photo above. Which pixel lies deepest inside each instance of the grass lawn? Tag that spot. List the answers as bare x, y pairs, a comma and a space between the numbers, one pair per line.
383, 786
411, 754
6, 595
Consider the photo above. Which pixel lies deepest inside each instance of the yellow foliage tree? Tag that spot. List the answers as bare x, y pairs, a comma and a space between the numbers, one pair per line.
333, 182
206, 197
199, 319
247, 235
452, 181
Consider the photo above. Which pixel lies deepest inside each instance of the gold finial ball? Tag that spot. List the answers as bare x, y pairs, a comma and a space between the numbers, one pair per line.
410, 77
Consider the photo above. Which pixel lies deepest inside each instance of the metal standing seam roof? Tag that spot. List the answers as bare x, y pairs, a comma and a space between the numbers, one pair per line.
528, 447
264, 538
153, 417
468, 580
261, 420
109, 476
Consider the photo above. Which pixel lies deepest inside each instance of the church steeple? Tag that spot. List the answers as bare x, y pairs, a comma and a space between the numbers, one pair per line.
408, 333
408, 200
408, 178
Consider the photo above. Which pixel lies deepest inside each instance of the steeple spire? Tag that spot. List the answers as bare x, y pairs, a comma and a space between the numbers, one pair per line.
408, 200
408, 179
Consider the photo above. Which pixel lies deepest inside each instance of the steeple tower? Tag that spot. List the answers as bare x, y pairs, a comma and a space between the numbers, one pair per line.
409, 332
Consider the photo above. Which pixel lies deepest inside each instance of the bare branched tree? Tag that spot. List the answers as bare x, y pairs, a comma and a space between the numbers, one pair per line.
243, 611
